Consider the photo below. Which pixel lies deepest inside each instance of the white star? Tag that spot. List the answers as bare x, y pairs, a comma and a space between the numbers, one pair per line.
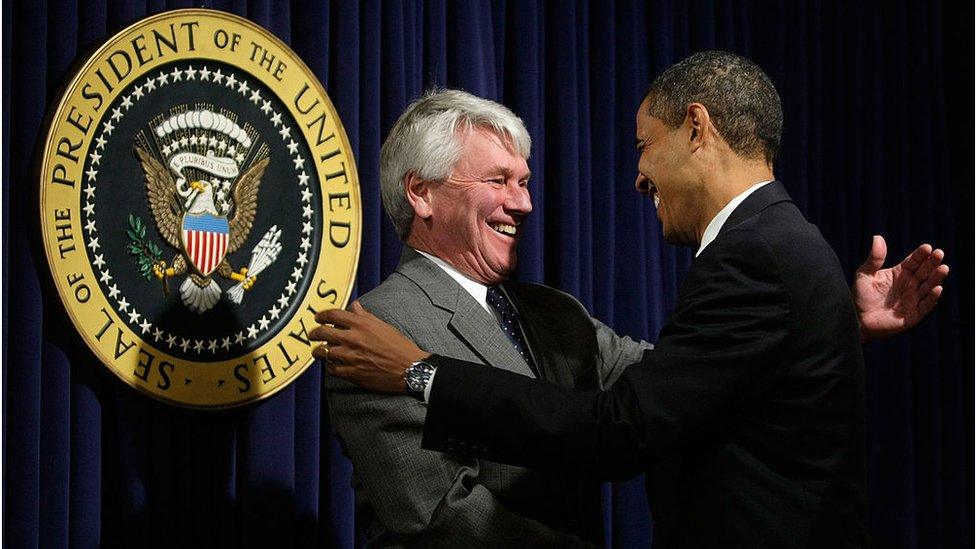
93, 244
285, 132
283, 300
221, 146
177, 74
198, 346
256, 97
166, 150
191, 73
144, 327
239, 158
205, 73
100, 142
263, 323
89, 209
90, 191
113, 291
303, 178
170, 340
274, 312
138, 92
212, 141
90, 226
297, 273
212, 346
231, 81
163, 78
157, 334
134, 316
193, 140
239, 338
116, 114
266, 107
307, 228
150, 84
126, 102
299, 162
99, 261
184, 141
251, 331
302, 259
123, 304
95, 157
108, 127
292, 147
290, 288
243, 87
306, 195
307, 211
305, 244
105, 276
276, 119
225, 343
184, 344
91, 173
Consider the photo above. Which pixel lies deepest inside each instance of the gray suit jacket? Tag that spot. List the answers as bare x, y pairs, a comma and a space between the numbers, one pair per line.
407, 496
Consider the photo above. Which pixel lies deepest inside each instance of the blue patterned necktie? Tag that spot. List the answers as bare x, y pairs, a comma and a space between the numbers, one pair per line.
510, 324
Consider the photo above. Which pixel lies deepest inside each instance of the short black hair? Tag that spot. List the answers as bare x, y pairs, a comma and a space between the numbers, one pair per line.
741, 100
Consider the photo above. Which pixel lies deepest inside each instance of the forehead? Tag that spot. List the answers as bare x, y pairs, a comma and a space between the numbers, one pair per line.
483, 149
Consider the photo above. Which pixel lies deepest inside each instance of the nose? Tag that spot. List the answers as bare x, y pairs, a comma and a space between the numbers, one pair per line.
643, 184
518, 201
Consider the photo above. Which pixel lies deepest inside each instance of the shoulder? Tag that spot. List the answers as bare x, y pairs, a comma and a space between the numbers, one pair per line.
393, 296
544, 296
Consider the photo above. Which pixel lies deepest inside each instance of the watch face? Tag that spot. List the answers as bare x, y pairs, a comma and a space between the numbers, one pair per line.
418, 374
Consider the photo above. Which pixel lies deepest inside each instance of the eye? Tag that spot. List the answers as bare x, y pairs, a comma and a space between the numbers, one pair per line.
496, 182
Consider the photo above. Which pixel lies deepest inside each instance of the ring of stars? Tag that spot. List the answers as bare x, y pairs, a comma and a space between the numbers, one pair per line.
135, 319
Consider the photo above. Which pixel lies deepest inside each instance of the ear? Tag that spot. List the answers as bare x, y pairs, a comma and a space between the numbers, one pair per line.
418, 195
699, 124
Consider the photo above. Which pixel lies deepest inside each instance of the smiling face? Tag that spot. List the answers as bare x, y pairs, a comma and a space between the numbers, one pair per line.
476, 215
665, 174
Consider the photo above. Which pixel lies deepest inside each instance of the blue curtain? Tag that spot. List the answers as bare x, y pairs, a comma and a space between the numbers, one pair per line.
878, 139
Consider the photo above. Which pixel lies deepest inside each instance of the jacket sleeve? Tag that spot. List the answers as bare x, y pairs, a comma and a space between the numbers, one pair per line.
716, 354
422, 498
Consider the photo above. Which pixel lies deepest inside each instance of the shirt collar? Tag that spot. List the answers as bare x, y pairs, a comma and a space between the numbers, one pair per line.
715, 225
477, 290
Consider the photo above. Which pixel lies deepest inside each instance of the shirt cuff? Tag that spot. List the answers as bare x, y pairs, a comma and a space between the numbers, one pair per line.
430, 383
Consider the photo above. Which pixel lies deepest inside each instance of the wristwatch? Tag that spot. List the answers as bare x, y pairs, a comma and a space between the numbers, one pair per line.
418, 375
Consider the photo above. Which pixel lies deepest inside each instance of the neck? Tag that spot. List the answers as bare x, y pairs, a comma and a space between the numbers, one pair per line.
722, 185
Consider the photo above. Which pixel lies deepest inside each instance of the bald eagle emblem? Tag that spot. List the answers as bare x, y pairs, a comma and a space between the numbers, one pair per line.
203, 194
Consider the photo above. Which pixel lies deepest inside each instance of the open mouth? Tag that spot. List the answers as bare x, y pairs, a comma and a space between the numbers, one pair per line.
503, 228
652, 190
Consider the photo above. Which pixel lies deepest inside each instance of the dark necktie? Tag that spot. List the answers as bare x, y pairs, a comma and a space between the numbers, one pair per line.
510, 324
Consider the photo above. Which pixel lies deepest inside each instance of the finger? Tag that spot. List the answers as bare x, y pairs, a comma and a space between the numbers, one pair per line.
929, 264
929, 303
330, 334
321, 352
934, 279
337, 317
358, 308
876, 256
915, 259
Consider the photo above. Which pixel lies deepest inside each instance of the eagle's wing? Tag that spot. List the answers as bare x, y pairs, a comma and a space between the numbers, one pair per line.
163, 200
245, 204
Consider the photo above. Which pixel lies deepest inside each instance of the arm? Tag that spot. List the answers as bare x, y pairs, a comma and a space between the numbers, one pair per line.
714, 357
616, 353
423, 498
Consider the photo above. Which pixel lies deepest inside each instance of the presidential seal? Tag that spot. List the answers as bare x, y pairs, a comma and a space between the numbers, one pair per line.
199, 204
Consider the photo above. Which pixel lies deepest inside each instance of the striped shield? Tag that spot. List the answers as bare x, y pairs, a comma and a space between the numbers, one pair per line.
205, 238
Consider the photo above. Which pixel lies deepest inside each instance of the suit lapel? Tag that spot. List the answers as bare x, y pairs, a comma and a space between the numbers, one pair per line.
469, 321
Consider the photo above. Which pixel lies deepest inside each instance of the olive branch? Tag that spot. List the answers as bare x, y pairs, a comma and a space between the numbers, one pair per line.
146, 252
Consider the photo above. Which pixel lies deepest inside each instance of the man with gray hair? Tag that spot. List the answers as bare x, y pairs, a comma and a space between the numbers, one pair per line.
455, 184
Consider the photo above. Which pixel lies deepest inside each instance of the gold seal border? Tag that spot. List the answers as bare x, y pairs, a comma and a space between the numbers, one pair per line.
61, 268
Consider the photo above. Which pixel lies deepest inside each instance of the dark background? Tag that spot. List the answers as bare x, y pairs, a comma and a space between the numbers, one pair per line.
878, 99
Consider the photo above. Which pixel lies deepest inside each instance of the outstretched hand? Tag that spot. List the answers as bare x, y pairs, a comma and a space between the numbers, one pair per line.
361, 348
890, 301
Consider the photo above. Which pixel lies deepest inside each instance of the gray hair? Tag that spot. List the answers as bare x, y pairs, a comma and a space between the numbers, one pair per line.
425, 141
741, 100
